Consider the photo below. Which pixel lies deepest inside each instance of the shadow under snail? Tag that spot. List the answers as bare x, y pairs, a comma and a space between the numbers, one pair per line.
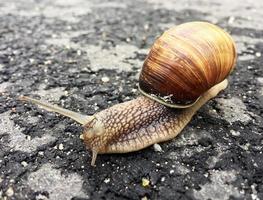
187, 66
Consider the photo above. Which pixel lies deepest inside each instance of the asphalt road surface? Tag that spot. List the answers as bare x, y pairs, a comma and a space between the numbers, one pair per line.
86, 56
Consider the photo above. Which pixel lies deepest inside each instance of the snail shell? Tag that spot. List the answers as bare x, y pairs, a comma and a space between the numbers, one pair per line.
186, 61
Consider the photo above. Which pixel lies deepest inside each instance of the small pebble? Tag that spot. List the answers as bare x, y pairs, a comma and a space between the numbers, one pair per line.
48, 62
79, 52
24, 163
145, 182
162, 179
105, 79
171, 171
157, 148
254, 192
134, 90
31, 60
41, 197
41, 153
28, 137
60, 146
231, 20
235, 133
258, 54
254, 197
81, 137
245, 147
107, 180
10, 192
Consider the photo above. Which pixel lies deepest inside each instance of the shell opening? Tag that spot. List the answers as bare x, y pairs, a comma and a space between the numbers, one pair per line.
166, 103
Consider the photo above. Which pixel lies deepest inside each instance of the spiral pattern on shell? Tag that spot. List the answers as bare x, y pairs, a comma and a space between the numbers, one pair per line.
186, 61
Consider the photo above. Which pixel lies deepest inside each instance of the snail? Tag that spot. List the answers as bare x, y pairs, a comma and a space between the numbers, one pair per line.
186, 66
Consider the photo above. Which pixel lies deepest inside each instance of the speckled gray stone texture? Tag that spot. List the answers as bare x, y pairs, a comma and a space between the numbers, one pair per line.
86, 56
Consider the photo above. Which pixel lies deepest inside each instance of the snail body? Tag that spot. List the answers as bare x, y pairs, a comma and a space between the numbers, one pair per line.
132, 125
152, 118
